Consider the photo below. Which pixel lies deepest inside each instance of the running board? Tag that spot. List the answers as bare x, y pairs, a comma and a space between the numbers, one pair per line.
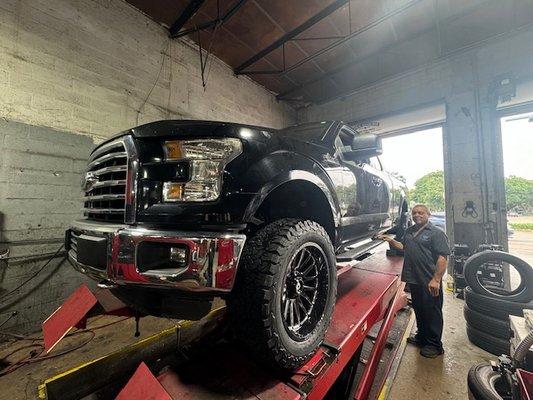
360, 252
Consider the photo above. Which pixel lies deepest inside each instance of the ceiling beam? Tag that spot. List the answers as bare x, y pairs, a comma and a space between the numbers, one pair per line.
342, 40
210, 24
187, 14
289, 35
289, 94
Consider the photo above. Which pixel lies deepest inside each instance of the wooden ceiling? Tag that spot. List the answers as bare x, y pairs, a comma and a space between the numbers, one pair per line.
310, 51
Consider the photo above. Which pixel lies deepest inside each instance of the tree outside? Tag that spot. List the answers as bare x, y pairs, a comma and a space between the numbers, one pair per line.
519, 194
429, 190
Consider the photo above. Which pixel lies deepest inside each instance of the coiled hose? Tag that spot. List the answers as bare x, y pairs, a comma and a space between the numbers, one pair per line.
522, 349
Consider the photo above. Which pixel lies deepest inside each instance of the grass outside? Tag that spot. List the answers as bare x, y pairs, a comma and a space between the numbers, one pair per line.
521, 223
522, 226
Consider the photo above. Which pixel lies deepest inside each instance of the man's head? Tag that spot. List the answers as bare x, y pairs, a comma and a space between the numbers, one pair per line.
420, 214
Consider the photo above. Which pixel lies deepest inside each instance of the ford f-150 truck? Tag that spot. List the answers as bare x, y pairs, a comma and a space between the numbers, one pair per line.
179, 212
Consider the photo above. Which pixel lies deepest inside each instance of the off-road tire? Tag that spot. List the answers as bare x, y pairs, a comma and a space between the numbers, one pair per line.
255, 302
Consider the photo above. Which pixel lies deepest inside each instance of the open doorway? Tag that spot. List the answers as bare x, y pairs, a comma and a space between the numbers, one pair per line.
517, 146
421, 171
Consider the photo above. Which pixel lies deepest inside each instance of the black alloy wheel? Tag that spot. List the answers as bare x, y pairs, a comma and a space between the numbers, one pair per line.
283, 298
305, 291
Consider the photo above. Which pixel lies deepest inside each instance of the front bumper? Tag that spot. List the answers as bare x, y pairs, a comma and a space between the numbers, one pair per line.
110, 253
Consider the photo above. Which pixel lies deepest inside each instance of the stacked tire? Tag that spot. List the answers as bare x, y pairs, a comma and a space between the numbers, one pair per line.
487, 311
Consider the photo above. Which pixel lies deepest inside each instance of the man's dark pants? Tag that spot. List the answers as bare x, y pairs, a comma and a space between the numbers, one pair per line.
428, 312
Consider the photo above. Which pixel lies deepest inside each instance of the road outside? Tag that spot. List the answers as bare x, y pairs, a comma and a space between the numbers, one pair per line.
521, 245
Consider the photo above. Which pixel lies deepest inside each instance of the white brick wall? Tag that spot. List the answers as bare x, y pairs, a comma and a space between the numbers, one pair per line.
86, 66
71, 67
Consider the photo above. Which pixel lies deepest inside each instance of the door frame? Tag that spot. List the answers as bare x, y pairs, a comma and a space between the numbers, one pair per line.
503, 236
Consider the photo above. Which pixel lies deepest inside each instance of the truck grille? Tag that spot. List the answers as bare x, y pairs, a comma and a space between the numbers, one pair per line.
105, 183
73, 244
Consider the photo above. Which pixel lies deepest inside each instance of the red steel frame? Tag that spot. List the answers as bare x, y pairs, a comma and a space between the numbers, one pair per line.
367, 293
525, 383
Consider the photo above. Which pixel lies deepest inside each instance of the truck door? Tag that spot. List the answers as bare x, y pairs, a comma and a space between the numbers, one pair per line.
379, 193
351, 191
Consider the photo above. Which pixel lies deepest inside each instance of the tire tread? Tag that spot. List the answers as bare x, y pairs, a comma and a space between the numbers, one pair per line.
249, 303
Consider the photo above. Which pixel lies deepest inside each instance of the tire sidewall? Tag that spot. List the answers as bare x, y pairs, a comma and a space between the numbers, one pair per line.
495, 307
473, 264
301, 348
480, 379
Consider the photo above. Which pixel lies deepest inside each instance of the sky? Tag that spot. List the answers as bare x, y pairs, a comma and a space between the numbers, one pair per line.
398, 154
517, 141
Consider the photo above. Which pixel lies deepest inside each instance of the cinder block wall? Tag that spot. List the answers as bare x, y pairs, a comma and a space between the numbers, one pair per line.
40, 194
72, 74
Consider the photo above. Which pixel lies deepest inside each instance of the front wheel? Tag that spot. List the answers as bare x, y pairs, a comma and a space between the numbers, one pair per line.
285, 292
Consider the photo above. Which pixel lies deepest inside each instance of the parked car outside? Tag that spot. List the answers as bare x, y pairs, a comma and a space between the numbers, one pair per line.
438, 219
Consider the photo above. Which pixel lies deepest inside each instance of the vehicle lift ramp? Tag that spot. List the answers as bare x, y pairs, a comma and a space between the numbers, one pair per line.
214, 368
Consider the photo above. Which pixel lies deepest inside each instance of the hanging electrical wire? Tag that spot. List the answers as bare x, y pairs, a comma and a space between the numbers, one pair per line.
5, 295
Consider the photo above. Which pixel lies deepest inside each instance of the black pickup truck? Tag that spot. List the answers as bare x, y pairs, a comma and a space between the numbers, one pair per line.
180, 212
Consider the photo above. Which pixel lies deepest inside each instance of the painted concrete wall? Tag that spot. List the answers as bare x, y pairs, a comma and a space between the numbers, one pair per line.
463, 82
89, 66
40, 194
71, 74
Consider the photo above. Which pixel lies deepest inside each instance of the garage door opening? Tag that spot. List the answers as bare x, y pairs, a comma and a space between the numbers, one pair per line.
517, 144
417, 159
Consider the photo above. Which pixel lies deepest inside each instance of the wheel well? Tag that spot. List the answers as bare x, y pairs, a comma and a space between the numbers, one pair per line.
297, 199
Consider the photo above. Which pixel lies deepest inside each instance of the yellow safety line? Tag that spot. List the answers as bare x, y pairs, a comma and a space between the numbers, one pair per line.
385, 390
127, 349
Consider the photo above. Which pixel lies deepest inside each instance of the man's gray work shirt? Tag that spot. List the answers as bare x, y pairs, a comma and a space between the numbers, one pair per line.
421, 253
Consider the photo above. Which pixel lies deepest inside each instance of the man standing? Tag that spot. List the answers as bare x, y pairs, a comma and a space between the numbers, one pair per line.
426, 253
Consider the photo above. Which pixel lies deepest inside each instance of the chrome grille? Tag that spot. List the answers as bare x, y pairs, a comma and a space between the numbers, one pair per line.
105, 183
73, 245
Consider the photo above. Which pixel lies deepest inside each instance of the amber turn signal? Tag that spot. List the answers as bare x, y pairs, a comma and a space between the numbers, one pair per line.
173, 150
172, 191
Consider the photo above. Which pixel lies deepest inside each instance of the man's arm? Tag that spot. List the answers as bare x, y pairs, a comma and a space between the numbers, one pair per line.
440, 247
393, 243
434, 283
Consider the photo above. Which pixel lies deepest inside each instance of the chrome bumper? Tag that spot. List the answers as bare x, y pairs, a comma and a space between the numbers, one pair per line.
211, 265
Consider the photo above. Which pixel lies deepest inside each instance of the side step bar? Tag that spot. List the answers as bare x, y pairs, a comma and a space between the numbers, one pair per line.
359, 252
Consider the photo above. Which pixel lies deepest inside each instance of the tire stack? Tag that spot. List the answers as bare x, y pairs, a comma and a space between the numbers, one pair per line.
487, 311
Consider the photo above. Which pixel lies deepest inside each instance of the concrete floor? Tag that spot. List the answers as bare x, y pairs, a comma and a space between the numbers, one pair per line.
22, 384
521, 245
444, 377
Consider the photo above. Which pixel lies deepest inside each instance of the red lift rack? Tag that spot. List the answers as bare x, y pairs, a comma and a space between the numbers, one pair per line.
368, 292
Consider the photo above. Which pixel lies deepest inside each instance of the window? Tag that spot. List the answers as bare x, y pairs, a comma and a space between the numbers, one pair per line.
376, 163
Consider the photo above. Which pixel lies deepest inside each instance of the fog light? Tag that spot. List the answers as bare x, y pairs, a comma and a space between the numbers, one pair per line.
170, 257
178, 256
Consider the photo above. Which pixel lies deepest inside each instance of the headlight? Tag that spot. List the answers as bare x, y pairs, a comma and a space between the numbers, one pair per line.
208, 157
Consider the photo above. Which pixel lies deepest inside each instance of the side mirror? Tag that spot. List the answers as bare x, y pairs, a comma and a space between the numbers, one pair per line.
364, 146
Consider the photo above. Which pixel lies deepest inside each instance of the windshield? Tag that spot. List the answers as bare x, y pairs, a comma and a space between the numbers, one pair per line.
313, 132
